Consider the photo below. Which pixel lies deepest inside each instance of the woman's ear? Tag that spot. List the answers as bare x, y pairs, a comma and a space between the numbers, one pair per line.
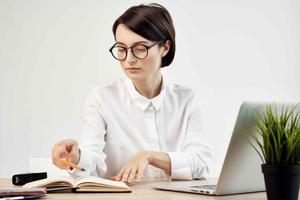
166, 48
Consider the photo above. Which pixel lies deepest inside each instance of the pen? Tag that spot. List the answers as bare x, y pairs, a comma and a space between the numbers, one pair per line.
72, 165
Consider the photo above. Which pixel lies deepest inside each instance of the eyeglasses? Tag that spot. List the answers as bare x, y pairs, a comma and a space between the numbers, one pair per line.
139, 51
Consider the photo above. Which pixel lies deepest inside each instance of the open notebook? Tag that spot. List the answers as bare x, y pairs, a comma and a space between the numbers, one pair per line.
80, 184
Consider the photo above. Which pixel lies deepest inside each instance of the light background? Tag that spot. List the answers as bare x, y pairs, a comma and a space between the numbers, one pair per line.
52, 51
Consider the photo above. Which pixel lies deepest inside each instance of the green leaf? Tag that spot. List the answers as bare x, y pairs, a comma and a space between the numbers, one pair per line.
278, 135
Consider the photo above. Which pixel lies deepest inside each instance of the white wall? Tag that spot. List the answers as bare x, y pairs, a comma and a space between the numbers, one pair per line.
51, 52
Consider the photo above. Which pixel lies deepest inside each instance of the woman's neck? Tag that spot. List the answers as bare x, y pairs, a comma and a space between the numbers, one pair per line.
150, 87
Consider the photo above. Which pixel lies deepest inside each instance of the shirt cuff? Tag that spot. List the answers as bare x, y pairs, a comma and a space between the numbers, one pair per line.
179, 166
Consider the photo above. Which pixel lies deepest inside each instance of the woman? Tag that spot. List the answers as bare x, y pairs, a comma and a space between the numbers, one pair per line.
141, 126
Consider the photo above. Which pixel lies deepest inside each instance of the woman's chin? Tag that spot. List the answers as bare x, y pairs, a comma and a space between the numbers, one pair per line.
134, 77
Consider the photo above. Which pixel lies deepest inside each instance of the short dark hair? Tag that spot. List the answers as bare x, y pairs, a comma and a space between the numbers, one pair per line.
152, 22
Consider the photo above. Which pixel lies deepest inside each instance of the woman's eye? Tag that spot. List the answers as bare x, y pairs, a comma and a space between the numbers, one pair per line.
139, 49
121, 50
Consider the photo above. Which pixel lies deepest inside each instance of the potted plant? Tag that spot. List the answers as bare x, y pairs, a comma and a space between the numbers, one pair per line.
277, 142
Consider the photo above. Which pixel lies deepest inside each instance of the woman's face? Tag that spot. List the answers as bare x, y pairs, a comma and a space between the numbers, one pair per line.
140, 69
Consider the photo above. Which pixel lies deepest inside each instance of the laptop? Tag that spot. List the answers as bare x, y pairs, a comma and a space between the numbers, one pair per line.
241, 170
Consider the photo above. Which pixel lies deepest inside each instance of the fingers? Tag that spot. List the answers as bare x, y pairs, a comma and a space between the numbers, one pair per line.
65, 150
139, 174
70, 145
125, 175
118, 177
73, 152
134, 169
57, 155
114, 178
132, 175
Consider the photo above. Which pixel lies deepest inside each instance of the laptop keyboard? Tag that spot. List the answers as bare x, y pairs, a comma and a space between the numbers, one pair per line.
209, 187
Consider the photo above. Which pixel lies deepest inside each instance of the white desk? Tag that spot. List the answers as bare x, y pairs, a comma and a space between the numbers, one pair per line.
144, 191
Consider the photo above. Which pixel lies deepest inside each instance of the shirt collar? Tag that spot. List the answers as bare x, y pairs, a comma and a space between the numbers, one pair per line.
142, 101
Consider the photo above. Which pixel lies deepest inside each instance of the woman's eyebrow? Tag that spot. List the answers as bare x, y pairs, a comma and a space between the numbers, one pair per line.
135, 43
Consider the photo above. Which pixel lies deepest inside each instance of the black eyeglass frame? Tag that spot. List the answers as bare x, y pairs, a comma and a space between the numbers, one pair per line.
147, 48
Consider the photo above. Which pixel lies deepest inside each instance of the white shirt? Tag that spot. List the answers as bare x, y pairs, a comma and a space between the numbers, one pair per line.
118, 122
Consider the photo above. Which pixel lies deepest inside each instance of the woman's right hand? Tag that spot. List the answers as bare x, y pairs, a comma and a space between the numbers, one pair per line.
65, 150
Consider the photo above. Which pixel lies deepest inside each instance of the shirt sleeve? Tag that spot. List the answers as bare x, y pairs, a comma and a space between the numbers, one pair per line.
92, 143
194, 159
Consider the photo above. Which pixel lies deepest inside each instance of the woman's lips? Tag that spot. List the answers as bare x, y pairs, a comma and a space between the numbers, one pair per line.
133, 69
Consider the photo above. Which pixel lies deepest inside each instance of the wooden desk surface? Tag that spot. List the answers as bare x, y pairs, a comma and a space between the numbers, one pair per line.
145, 191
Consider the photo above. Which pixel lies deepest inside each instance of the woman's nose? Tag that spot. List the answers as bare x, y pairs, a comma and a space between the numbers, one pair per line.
130, 57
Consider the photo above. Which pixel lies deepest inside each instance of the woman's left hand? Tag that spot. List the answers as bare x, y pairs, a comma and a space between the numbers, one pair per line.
133, 171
